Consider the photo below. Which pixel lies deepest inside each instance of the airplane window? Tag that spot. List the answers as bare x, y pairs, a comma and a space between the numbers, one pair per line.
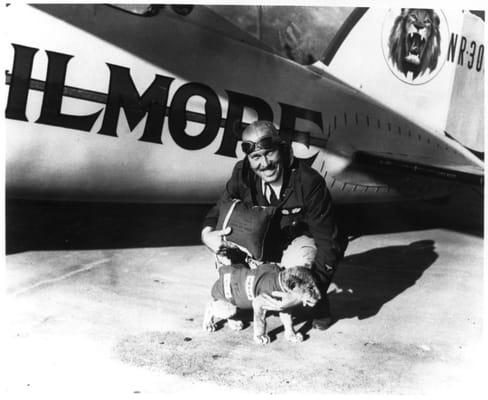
479, 13
139, 9
300, 33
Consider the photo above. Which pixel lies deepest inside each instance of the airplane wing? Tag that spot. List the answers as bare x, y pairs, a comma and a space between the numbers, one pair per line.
201, 16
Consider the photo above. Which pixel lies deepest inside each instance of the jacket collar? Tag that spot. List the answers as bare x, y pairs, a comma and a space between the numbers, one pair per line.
289, 177
287, 188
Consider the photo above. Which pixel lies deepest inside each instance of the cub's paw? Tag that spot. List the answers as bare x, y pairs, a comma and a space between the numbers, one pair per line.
263, 339
294, 337
209, 326
235, 324
208, 323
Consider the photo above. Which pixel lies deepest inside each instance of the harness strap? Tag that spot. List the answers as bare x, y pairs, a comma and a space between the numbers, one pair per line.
229, 213
249, 286
227, 289
282, 285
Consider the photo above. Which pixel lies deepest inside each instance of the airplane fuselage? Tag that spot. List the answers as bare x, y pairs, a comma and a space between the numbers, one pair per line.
152, 114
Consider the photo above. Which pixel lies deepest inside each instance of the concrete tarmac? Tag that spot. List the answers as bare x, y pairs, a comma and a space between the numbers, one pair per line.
107, 300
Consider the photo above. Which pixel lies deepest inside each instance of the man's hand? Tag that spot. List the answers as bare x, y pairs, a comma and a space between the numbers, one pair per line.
286, 300
213, 238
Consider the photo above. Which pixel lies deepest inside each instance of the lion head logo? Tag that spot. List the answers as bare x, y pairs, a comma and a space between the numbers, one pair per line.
415, 41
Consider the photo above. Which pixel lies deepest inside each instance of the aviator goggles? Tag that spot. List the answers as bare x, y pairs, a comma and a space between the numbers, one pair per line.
266, 143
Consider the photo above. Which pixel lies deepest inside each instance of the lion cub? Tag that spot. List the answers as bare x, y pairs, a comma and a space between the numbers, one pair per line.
239, 287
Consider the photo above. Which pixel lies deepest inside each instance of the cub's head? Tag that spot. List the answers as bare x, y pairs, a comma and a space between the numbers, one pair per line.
300, 282
229, 254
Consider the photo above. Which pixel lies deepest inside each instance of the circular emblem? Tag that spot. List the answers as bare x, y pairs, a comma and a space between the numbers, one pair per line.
415, 43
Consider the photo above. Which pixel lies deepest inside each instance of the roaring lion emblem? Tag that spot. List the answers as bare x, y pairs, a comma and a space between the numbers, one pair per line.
415, 41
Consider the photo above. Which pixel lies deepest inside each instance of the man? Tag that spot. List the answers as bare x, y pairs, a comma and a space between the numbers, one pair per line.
303, 230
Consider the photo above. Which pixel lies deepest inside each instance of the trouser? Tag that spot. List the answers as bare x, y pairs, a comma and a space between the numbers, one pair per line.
301, 252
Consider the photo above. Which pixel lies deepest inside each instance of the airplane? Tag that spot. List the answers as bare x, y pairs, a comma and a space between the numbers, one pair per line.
146, 103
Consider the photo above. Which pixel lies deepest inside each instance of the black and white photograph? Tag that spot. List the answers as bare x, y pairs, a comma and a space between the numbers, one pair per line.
245, 199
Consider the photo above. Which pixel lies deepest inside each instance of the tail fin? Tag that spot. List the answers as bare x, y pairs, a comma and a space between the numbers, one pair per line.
427, 64
466, 110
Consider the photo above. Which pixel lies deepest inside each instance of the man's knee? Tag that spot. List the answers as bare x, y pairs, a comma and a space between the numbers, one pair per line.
300, 252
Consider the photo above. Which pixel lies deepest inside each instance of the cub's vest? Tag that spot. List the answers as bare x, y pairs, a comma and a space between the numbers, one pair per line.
239, 285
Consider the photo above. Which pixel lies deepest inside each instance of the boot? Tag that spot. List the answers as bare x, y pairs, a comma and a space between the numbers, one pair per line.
321, 313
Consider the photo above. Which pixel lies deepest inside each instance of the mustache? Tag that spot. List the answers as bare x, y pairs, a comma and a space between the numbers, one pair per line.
270, 167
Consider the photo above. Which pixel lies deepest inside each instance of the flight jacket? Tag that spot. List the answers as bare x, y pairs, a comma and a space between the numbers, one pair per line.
303, 208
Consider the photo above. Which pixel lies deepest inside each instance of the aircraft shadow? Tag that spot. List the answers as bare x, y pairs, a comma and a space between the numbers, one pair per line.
61, 225
462, 213
49, 225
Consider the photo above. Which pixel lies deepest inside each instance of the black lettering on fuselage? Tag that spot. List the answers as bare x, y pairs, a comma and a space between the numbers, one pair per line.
233, 124
289, 115
471, 54
474, 52
462, 47
123, 94
53, 97
19, 84
154, 102
178, 119
479, 60
452, 47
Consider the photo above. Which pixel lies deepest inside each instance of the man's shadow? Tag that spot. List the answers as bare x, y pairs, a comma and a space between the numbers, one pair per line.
364, 282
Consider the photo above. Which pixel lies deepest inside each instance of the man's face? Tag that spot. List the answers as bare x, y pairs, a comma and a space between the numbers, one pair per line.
267, 164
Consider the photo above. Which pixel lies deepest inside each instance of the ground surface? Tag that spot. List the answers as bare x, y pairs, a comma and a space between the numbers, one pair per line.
108, 300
